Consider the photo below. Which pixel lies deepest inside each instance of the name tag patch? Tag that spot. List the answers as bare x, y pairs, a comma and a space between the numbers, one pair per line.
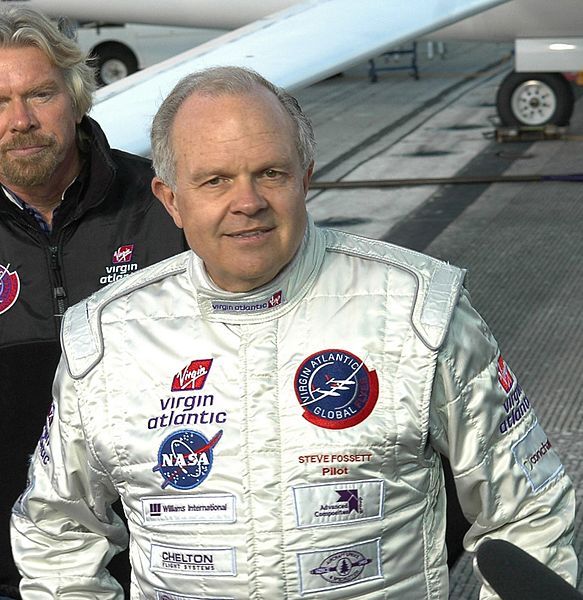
322, 570
193, 561
338, 503
216, 508
536, 456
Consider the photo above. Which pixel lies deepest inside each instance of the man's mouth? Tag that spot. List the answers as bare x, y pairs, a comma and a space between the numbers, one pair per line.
26, 150
26, 146
250, 233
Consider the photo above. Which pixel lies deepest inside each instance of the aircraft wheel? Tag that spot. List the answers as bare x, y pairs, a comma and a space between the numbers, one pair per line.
535, 99
114, 62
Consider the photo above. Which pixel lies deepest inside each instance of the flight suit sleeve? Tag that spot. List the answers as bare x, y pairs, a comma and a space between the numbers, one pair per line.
63, 529
509, 478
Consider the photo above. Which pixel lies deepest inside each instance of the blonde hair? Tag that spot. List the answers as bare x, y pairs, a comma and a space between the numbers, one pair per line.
23, 27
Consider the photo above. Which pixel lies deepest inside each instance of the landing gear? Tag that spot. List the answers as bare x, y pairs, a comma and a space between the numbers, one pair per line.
535, 100
113, 62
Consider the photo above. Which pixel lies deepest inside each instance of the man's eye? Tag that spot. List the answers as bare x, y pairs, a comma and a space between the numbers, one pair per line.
214, 181
43, 95
271, 173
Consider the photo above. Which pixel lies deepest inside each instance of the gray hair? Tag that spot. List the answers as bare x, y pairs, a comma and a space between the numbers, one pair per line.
219, 81
23, 27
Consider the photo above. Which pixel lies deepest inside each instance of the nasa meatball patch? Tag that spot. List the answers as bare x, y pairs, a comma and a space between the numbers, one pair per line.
335, 389
185, 459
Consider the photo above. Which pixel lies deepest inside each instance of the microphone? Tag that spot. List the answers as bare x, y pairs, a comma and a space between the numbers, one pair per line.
515, 575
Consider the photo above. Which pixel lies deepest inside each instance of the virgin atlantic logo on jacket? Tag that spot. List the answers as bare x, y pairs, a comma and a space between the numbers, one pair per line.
123, 254
193, 376
9, 288
121, 264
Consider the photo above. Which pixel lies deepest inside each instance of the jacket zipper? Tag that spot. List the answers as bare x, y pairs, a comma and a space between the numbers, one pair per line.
59, 293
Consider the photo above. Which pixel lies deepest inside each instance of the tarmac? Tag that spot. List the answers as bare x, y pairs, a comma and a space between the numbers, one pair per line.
520, 241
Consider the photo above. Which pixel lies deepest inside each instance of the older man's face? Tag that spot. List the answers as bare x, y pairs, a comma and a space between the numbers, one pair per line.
240, 189
37, 123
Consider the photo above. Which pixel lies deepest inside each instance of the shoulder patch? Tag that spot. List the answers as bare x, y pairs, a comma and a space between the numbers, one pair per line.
537, 458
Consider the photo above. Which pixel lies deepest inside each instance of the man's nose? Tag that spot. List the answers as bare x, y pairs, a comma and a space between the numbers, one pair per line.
248, 198
22, 117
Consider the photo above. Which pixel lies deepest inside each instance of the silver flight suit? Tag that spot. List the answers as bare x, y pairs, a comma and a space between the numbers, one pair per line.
284, 443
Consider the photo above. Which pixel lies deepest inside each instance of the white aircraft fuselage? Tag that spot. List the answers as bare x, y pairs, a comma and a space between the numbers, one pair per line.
519, 19
515, 19
188, 13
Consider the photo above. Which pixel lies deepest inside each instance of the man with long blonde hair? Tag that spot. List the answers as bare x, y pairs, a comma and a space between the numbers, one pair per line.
74, 216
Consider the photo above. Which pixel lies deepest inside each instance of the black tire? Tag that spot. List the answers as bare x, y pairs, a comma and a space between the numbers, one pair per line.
113, 62
535, 99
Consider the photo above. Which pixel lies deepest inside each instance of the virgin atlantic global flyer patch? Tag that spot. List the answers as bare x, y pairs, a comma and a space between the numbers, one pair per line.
335, 389
9, 288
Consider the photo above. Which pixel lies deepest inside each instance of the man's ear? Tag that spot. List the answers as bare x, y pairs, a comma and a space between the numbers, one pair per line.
164, 193
308, 177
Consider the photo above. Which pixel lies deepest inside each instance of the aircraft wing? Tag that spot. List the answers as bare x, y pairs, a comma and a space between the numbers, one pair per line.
293, 48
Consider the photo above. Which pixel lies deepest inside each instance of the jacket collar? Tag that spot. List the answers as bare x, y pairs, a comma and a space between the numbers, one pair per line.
101, 168
269, 301
98, 177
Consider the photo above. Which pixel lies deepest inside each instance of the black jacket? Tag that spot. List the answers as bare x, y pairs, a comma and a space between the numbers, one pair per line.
108, 224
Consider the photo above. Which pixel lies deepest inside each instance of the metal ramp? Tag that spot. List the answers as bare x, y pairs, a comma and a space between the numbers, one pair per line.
391, 58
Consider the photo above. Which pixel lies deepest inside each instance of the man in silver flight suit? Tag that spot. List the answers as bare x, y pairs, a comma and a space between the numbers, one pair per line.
271, 406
